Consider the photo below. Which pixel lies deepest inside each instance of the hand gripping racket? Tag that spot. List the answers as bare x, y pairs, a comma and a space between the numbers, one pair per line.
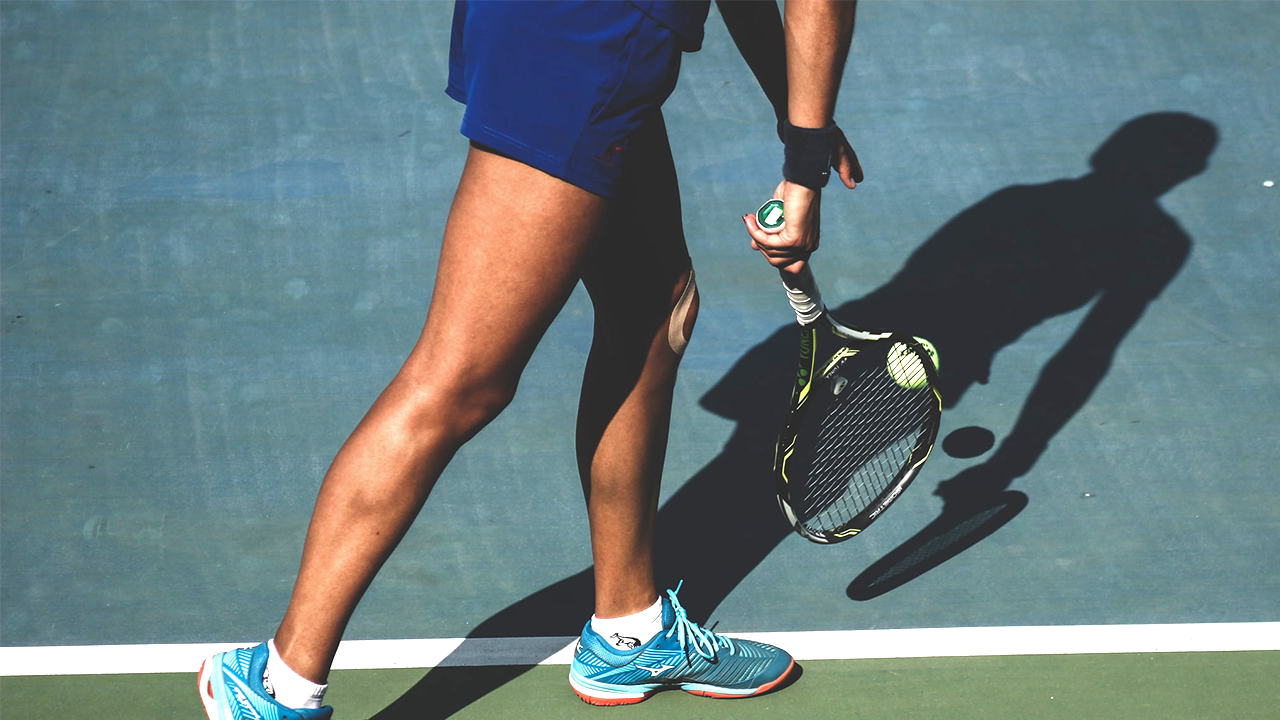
863, 417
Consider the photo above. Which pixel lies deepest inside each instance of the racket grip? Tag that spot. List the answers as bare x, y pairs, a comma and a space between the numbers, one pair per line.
802, 293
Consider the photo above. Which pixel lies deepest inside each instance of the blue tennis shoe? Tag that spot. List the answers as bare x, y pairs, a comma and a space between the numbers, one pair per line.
682, 655
231, 688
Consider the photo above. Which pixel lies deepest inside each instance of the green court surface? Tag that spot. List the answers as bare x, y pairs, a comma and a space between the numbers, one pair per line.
219, 224
1190, 686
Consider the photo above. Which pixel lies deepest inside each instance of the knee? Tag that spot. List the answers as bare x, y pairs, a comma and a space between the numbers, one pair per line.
477, 403
648, 309
454, 406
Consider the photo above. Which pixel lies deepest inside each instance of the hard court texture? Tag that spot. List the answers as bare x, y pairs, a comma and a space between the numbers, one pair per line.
218, 231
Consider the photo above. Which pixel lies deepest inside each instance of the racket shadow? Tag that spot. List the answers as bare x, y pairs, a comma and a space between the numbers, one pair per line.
955, 531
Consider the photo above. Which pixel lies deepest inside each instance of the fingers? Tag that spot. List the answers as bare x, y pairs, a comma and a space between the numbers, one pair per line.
772, 246
845, 162
847, 168
789, 247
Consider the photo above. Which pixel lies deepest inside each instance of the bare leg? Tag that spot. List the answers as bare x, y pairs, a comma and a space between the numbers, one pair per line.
513, 250
635, 274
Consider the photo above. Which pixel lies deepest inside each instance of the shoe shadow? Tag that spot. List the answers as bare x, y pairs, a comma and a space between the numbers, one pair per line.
445, 691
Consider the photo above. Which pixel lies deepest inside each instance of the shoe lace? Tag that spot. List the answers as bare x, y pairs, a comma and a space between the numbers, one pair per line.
691, 635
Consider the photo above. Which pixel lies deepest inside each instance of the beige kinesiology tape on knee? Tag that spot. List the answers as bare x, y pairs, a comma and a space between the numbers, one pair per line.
675, 329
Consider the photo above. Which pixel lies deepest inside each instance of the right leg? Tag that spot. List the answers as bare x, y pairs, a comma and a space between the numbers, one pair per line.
512, 252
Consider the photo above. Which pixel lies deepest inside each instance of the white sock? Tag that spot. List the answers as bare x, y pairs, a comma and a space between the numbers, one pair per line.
288, 687
631, 631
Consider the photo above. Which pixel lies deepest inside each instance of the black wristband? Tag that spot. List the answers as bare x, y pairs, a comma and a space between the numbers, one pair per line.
807, 154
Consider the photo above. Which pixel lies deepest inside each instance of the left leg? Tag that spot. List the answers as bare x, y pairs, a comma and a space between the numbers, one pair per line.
641, 283
637, 275
640, 280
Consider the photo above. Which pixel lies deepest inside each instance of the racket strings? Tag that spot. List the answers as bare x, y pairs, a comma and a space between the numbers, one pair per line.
865, 438
843, 431
847, 487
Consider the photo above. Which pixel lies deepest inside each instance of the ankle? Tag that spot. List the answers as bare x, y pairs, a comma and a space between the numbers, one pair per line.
287, 686
630, 631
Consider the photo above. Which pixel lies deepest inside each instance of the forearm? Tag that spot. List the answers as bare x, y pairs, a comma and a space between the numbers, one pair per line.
756, 29
818, 33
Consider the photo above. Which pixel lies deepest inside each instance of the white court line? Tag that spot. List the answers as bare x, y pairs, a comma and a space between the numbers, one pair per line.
826, 645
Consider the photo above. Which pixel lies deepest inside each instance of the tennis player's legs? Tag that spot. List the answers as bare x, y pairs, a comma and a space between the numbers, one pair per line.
513, 250
516, 243
451, 386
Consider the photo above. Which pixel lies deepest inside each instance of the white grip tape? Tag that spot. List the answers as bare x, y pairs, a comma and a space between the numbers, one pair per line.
802, 293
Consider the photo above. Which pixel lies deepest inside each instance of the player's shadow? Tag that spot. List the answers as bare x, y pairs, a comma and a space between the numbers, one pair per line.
1015, 259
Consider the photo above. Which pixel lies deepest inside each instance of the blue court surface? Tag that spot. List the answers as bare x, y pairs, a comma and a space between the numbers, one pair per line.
218, 232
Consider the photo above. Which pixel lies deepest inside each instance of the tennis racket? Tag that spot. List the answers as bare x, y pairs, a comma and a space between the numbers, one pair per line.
863, 417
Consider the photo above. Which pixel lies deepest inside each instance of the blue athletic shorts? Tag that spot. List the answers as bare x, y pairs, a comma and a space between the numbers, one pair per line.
561, 86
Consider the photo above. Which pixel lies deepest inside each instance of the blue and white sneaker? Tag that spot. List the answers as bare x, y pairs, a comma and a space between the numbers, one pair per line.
682, 655
231, 688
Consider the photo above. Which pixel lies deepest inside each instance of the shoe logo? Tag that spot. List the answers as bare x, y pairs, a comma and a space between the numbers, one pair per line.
623, 641
655, 672
266, 683
243, 701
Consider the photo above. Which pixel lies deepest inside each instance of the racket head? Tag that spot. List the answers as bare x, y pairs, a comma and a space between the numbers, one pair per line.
863, 419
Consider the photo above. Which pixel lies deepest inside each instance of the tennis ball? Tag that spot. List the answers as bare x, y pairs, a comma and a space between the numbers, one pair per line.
905, 367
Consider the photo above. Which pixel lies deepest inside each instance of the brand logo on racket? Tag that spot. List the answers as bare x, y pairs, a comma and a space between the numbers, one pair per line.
806, 356
770, 217
892, 496
838, 384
